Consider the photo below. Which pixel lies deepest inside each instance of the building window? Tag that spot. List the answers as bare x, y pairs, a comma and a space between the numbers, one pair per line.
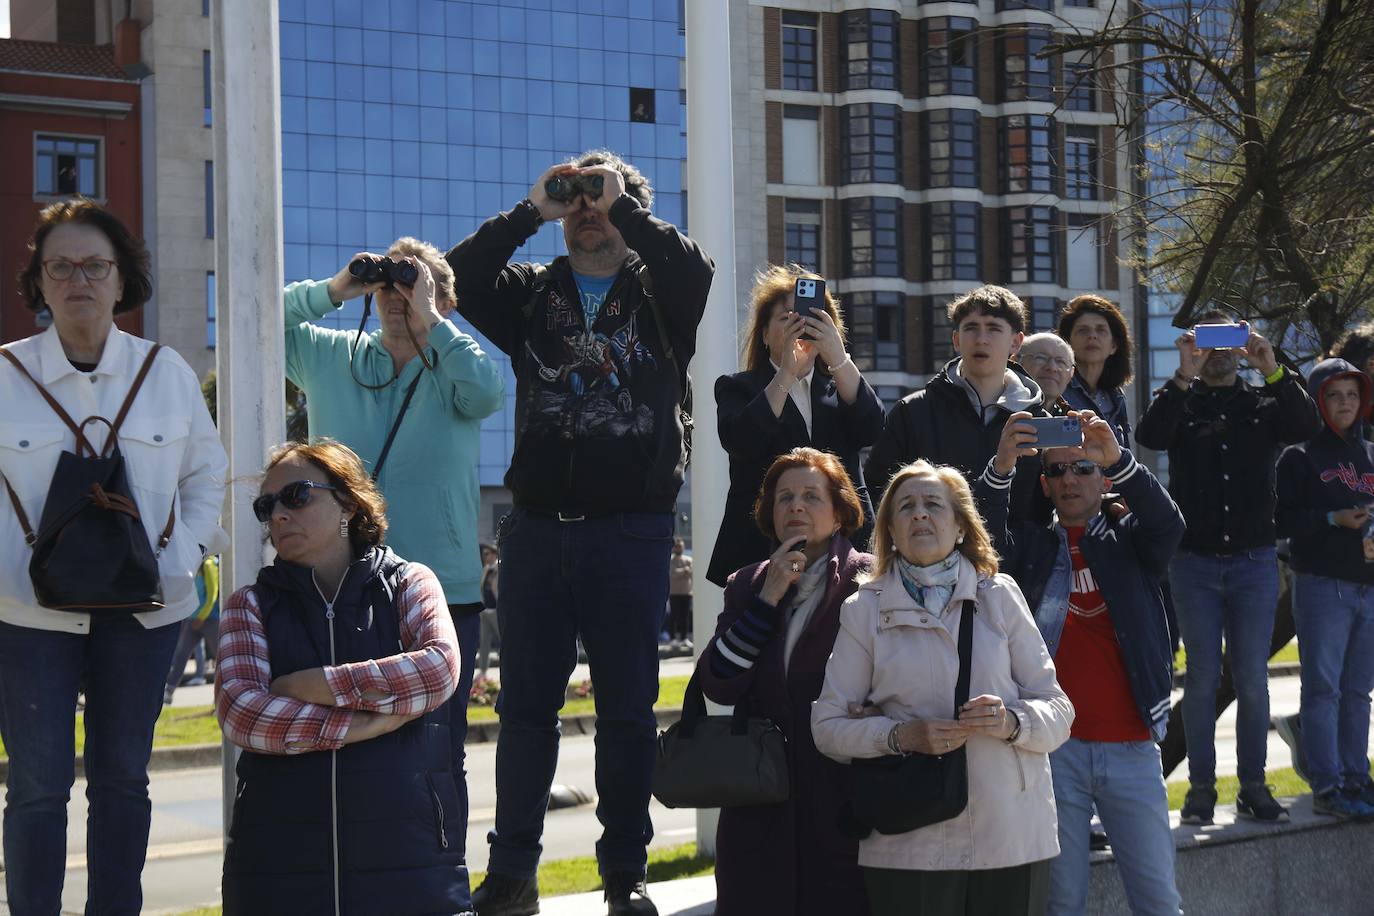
1080, 87
951, 148
642, 105
209, 199
949, 59
1085, 4
870, 142
1046, 5
954, 240
873, 226
876, 330
66, 165
1025, 75
799, 51
1029, 245
802, 234
205, 7
940, 339
1027, 164
1043, 311
1080, 163
211, 330
869, 49
206, 86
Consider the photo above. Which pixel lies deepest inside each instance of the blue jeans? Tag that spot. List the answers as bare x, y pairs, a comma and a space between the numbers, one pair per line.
1335, 623
123, 668
604, 579
1233, 596
1125, 782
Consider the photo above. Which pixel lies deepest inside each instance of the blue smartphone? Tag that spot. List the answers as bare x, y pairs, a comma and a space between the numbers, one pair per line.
808, 294
1056, 432
1220, 336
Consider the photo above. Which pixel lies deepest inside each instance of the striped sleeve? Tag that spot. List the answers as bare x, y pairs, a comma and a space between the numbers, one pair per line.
738, 648
250, 715
422, 677
995, 480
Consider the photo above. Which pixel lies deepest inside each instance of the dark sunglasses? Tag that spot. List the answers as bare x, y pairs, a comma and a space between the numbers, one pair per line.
295, 495
1083, 468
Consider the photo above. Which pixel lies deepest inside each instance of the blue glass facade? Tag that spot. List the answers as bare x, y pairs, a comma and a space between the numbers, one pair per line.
425, 117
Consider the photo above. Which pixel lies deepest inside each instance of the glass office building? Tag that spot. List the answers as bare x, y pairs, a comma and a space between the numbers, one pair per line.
426, 117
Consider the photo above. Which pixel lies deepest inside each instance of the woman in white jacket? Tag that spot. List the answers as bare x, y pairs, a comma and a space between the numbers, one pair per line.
889, 689
84, 268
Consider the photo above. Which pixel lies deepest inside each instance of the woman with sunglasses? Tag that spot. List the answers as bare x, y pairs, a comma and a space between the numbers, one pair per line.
85, 271
334, 667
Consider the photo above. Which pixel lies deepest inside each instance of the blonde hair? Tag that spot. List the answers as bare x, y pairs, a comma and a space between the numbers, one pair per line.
772, 285
977, 545
444, 285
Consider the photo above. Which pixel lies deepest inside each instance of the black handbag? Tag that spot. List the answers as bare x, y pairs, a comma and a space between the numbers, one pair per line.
720, 761
91, 551
897, 794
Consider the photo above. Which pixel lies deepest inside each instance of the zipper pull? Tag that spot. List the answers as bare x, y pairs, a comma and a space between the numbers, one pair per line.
329, 612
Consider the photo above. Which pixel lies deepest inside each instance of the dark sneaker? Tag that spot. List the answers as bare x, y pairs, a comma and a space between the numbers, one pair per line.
1198, 805
1290, 730
504, 895
1097, 841
1334, 803
627, 895
1364, 793
1258, 804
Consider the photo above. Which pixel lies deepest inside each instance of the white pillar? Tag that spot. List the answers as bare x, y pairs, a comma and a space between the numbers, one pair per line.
710, 220
248, 276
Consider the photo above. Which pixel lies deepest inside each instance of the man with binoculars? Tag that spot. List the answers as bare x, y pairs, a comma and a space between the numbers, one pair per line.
409, 398
599, 341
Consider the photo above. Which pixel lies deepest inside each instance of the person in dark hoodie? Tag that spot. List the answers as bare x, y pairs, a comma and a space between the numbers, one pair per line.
334, 668
957, 418
1325, 491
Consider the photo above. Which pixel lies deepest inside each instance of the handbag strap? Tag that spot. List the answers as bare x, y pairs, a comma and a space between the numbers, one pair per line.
391, 436
965, 653
694, 708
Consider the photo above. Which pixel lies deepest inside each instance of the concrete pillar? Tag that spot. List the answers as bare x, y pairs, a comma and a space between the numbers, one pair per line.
248, 276
711, 208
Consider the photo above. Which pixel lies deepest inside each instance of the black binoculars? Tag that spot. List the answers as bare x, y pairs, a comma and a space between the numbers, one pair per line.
564, 188
391, 271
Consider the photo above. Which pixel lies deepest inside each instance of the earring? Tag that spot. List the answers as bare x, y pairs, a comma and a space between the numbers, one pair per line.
343, 526
959, 539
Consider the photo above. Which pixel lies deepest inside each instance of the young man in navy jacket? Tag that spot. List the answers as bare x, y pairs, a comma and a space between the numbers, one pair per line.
1092, 579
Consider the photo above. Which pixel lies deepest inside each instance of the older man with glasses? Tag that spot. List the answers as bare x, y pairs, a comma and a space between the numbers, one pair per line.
1048, 359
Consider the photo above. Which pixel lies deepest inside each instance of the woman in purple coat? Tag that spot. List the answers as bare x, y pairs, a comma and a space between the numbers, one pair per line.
770, 649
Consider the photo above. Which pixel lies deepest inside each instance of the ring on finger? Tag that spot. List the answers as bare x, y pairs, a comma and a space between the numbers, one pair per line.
796, 567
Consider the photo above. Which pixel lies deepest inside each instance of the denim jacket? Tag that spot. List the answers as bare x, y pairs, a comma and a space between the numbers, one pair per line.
1129, 556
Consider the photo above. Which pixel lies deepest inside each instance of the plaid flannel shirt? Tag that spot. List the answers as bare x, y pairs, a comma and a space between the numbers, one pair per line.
412, 682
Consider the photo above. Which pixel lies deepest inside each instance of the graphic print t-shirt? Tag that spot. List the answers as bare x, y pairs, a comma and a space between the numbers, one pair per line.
1089, 662
593, 291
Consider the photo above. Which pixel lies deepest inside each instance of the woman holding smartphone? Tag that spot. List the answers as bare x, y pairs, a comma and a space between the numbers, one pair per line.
770, 649
799, 387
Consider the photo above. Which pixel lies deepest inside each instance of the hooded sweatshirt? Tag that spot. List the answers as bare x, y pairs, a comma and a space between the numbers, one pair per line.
1330, 471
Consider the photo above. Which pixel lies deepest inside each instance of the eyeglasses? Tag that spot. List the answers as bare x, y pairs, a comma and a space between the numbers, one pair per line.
1058, 362
1082, 468
61, 269
295, 495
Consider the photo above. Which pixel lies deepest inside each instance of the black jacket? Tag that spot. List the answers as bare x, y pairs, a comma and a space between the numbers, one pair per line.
1077, 397
1129, 556
940, 424
1325, 473
1222, 445
597, 427
753, 437
377, 823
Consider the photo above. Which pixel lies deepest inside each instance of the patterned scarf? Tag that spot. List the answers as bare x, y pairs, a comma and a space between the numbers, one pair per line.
931, 586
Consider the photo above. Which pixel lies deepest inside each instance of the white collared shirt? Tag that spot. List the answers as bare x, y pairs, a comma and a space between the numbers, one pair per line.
800, 393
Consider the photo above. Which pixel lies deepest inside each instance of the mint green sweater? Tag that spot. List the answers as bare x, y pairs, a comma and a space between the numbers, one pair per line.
430, 476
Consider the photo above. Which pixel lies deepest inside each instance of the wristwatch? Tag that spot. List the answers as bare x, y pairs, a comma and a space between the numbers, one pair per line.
529, 206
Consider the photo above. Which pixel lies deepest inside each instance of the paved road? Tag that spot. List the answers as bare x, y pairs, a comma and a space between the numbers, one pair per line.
183, 870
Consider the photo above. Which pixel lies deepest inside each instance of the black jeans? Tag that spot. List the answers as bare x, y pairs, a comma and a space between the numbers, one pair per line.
1021, 890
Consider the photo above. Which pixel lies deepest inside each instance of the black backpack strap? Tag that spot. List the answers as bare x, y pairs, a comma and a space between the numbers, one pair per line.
646, 283
391, 436
965, 654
